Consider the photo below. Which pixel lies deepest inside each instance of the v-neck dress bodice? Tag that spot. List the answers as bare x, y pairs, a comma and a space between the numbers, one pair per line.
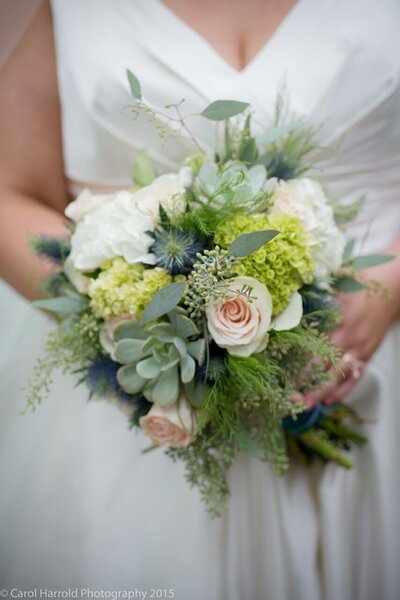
343, 78
80, 507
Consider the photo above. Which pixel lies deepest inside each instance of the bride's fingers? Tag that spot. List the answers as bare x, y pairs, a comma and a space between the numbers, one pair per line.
341, 391
353, 369
317, 396
350, 370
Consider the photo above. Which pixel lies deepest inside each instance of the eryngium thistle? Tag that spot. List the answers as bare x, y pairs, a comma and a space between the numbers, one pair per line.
55, 249
175, 250
102, 380
212, 369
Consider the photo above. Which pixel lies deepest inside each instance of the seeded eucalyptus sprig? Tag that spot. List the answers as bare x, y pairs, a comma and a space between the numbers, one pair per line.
208, 279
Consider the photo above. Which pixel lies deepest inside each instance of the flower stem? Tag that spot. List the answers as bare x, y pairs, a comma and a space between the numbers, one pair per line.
311, 439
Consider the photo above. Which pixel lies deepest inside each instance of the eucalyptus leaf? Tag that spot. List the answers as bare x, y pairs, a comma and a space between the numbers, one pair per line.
134, 85
63, 304
371, 260
143, 172
348, 284
348, 251
220, 110
163, 301
248, 243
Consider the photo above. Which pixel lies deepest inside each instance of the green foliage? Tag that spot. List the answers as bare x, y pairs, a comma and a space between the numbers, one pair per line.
195, 224
71, 347
371, 260
304, 353
348, 250
220, 110
163, 301
207, 280
289, 147
348, 284
248, 383
248, 243
205, 470
143, 172
63, 304
282, 265
306, 340
134, 85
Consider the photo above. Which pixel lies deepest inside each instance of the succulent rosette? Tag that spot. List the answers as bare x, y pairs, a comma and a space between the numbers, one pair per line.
201, 301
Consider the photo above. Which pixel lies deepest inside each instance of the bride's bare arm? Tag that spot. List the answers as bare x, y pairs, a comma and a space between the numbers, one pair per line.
32, 188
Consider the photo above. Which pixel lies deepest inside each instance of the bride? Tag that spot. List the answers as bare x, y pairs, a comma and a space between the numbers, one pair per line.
80, 508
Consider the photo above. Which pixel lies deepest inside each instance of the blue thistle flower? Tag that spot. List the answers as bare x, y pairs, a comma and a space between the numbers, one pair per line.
320, 306
142, 407
55, 249
102, 379
315, 299
175, 250
212, 369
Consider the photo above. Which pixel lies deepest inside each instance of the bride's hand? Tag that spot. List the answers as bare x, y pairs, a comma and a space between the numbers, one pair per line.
366, 319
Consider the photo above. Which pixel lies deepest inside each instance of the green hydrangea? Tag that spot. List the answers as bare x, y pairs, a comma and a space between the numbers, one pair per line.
283, 265
125, 289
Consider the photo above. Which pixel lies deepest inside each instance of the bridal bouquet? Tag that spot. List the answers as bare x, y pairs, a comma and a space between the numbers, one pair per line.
201, 301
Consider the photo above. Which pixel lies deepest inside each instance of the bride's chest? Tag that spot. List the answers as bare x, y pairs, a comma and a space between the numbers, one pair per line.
339, 62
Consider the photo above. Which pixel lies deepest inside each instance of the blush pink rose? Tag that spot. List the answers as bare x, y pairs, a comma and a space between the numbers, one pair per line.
172, 426
237, 324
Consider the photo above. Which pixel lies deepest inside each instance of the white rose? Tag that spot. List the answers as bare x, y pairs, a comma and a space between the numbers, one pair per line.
114, 228
85, 203
305, 199
167, 191
172, 426
238, 325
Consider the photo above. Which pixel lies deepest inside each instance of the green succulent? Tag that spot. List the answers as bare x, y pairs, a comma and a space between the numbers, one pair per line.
157, 360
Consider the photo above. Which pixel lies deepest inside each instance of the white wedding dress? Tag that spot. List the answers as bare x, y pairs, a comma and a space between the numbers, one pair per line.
80, 507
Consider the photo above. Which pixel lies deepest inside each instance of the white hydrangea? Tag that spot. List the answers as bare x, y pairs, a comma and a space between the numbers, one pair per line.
305, 199
109, 225
114, 228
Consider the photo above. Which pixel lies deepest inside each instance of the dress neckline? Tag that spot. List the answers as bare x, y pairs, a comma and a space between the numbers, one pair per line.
217, 56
